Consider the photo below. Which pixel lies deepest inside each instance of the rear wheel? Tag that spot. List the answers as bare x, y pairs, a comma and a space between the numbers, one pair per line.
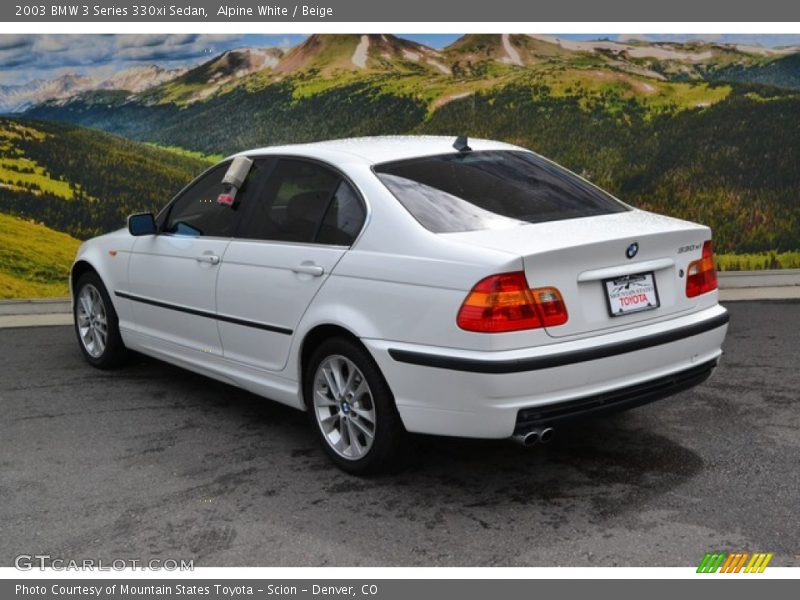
351, 408
96, 323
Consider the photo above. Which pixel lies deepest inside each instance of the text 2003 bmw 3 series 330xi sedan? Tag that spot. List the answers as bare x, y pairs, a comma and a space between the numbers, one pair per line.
408, 284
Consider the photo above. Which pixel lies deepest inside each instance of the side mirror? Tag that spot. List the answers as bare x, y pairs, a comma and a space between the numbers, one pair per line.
142, 224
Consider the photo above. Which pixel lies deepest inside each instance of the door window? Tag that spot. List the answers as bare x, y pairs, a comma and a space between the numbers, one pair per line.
197, 213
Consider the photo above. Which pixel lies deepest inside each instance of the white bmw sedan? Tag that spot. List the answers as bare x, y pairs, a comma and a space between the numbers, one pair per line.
408, 284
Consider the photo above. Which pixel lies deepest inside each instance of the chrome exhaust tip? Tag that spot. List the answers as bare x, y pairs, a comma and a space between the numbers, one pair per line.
527, 439
534, 436
546, 435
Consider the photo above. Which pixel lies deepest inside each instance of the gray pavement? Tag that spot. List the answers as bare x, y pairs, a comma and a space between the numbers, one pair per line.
151, 461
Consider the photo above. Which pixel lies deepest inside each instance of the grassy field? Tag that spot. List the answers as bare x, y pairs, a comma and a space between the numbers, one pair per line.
18, 172
757, 262
34, 260
23, 173
209, 158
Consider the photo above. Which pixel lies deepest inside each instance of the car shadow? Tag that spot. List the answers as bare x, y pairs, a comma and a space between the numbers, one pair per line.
615, 462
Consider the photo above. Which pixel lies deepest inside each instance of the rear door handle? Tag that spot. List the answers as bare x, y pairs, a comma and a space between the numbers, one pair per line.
208, 258
309, 269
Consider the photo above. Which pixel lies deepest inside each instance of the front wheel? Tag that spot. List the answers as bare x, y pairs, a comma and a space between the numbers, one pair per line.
96, 323
351, 408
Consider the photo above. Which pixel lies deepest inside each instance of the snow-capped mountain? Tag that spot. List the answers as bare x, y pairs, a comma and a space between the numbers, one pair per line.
138, 79
18, 98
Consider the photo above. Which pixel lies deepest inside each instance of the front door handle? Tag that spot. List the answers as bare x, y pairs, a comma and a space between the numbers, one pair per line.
309, 269
208, 258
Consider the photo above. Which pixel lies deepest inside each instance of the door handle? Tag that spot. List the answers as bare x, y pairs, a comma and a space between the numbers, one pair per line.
309, 269
208, 258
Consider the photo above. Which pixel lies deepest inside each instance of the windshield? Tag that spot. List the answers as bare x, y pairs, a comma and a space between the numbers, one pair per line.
491, 190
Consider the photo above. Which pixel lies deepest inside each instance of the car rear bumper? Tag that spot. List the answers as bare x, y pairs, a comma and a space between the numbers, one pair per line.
615, 400
493, 394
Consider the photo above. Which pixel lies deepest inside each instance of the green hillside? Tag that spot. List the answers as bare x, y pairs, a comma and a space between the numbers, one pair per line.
34, 260
81, 181
684, 129
732, 165
780, 72
68, 182
699, 130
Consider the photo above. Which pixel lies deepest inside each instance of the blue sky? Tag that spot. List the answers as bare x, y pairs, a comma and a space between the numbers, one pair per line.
27, 57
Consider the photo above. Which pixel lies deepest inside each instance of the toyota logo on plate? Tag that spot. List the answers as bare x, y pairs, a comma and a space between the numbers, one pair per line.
632, 250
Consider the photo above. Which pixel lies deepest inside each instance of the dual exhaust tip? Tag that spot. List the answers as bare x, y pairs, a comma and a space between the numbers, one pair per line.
534, 436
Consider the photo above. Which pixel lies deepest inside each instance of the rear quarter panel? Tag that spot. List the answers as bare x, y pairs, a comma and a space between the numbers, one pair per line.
401, 282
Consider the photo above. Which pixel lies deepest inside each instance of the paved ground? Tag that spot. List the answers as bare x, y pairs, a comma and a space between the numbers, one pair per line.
151, 461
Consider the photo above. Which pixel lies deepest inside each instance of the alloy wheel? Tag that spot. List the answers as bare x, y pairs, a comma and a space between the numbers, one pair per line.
344, 407
92, 321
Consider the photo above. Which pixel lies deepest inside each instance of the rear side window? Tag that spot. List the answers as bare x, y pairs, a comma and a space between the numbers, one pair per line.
344, 217
295, 199
303, 201
491, 190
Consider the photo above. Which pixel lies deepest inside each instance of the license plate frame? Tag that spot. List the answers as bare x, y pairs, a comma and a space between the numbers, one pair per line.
646, 282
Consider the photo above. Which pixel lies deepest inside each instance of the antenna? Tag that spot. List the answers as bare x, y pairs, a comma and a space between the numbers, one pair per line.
461, 144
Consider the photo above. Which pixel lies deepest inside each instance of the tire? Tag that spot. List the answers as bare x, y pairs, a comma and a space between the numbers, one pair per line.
96, 323
344, 409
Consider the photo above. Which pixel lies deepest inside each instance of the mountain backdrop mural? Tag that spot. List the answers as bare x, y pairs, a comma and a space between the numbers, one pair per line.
706, 131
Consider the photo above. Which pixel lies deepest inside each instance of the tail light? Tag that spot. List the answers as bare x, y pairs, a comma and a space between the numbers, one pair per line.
504, 302
701, 275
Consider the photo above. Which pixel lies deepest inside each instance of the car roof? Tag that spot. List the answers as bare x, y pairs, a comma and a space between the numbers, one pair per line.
378, 149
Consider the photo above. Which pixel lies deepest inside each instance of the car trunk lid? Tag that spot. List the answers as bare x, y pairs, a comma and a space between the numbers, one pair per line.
578, 256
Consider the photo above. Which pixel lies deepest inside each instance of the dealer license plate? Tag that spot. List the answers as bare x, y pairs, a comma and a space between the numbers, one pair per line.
631, 294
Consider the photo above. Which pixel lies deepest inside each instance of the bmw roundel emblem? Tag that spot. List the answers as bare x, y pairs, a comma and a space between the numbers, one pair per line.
632, 250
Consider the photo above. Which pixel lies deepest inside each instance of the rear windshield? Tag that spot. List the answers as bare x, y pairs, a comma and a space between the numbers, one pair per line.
491, 190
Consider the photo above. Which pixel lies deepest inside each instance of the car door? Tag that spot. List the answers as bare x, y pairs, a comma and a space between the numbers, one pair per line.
290, 239
172, 276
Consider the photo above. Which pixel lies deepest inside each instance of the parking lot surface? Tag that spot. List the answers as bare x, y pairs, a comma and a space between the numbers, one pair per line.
154, 462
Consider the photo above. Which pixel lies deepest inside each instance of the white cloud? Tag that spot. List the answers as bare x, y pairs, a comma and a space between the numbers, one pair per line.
10, 42
27, 57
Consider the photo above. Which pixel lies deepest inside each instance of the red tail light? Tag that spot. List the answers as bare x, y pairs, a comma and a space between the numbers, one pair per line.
701, 276
504, 302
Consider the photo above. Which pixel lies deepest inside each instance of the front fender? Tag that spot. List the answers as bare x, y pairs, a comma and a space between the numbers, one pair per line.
108, 255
